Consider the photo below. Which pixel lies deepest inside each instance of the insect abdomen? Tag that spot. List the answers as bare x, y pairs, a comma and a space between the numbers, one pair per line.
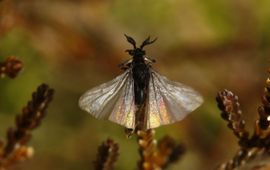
141, 78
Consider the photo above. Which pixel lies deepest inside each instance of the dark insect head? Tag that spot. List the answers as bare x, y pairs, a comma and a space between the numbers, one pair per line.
138, 51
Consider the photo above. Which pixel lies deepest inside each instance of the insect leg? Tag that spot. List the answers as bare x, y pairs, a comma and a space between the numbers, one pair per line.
125, 65
149, 60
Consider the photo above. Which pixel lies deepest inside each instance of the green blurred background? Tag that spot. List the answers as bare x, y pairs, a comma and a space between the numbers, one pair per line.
76, 45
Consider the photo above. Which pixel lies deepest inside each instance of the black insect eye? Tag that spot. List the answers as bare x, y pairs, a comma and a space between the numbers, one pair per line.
131, 52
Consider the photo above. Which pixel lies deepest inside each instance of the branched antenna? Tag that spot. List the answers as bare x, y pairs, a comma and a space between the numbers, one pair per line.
147, 41
131, 40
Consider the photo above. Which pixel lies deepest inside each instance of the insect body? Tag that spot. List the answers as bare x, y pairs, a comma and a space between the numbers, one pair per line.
140, 97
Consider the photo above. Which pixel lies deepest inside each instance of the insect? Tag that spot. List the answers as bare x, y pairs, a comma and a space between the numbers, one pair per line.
140, 98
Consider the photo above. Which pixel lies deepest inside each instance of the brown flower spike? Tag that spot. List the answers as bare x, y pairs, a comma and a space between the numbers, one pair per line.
157, 155
10, 67
107, 155
254, 151
168, 152
147, 148
231, 112
16, 148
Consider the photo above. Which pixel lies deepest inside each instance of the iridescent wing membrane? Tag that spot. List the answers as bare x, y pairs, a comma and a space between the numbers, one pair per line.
113, 100
168, 101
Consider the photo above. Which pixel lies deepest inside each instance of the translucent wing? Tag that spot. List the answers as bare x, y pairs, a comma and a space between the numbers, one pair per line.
169, 101
113, 100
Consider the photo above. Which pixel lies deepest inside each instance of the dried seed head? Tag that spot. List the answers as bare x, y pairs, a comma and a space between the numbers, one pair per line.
157, 155
251, 148
11, 67
23, 152
15, 148
230, 107
107, 155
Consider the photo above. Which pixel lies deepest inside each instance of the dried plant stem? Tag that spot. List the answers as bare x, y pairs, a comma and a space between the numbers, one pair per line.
107, 155
15, 148
253, 150
147, 149
154, 155
157, 155
264, 111
168, 152
231, 112
10, 67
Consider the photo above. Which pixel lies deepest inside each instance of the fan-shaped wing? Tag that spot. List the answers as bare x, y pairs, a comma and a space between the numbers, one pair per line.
113, 100
169, 101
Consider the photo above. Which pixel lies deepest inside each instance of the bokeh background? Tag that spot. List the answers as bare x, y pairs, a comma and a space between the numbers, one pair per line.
76, 45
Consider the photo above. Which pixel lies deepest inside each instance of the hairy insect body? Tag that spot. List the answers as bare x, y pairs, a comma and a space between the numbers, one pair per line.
140, 98
141, 77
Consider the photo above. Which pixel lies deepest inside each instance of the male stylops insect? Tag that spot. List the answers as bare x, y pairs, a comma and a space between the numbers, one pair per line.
140, 98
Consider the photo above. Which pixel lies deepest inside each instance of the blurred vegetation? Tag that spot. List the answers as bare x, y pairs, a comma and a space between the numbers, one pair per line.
76, 45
